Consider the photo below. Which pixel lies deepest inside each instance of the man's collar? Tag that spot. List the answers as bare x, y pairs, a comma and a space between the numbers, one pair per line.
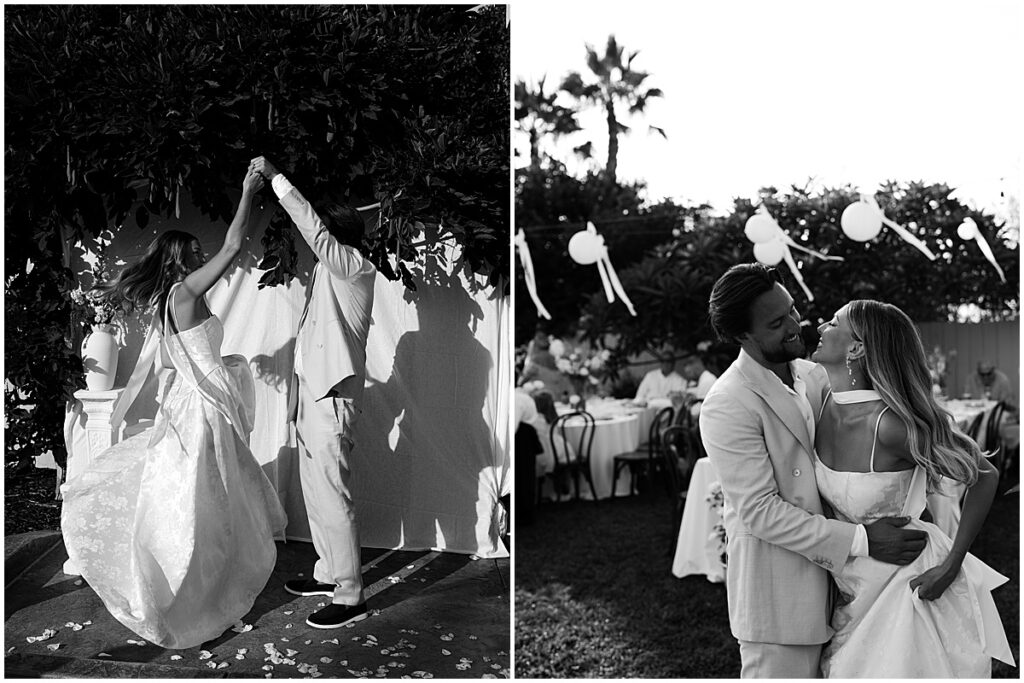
759, 373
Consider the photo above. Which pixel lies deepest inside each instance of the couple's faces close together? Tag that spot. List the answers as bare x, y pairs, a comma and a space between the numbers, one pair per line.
774, 332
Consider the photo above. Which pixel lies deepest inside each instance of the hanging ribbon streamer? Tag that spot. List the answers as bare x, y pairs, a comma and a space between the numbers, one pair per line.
606, 282
523, 249
772, 244
862, 220
969, 230
586, 247
817, 254
788, 255
608, 276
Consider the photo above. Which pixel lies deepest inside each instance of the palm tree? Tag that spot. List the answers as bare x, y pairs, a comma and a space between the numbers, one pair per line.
617, 81
538, 115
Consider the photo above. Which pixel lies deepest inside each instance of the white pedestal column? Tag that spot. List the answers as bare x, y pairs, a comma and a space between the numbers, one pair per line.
91, 434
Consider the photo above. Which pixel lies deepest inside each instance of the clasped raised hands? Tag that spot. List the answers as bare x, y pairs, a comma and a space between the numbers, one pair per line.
252, 182
263, 166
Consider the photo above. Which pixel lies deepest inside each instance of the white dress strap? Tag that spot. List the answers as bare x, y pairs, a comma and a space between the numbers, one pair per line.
821, 411
874, 439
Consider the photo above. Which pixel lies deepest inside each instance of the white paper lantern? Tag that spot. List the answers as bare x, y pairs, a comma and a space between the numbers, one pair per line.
769, 253
760, 228
861, 221
585, 247
968, 230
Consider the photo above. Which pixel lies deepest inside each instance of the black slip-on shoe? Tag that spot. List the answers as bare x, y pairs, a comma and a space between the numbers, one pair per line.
336, 616
309, 587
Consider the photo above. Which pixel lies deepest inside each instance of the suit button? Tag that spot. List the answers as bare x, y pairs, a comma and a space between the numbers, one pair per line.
796, 472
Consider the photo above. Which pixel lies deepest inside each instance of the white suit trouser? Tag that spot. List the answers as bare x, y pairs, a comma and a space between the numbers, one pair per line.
324, 433
770, 660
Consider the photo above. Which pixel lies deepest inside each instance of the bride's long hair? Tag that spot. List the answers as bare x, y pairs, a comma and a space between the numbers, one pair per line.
146, 283
894, 360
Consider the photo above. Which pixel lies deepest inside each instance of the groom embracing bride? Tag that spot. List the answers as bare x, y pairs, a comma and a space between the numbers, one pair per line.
759, 423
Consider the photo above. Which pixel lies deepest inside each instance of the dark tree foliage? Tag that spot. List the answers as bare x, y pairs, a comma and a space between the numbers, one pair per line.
671, 286
117, 111
551, 206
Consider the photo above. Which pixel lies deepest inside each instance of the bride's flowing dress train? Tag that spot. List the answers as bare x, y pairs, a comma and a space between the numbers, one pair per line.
174, 528
883, 629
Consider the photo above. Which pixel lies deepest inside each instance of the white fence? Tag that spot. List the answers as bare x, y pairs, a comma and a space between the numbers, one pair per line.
995, 342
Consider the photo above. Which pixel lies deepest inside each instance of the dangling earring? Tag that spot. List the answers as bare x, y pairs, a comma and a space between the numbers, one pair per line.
849, 370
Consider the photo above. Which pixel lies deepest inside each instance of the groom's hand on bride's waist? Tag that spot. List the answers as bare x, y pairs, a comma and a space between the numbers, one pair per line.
888, 542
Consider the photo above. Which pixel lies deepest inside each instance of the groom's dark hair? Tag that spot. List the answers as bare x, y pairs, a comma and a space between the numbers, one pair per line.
344, 223
732, 295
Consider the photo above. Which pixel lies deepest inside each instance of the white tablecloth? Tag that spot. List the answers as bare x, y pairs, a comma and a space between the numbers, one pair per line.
619, 428
612, 436
694, 553
965, 410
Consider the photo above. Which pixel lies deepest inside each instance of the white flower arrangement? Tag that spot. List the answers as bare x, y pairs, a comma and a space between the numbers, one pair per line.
97, 310
577, 365
718, 541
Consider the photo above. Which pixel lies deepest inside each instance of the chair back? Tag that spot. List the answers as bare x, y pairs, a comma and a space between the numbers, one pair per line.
677, 461
974, 427
582, 444
689, 421
991, 442
662, 421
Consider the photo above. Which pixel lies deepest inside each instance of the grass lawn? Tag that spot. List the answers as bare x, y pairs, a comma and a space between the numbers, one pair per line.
595, 596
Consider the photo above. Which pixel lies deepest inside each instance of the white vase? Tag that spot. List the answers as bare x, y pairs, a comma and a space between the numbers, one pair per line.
99, 356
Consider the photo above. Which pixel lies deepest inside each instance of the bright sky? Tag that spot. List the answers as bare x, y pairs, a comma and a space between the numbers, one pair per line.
773, 93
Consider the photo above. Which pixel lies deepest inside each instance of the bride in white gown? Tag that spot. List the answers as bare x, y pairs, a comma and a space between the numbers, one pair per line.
174, 528
881, 440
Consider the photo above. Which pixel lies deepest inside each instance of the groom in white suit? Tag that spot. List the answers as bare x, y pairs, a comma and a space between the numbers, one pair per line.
757, 424
330, 365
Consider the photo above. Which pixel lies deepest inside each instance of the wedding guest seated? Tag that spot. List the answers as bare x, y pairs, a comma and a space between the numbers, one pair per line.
541, 366
526, 410
991, 383
699, 379
661, 382
698, 382
545, 416
527, 446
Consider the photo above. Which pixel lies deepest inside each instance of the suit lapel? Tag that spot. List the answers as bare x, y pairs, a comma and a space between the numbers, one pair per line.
309, 296
779, 400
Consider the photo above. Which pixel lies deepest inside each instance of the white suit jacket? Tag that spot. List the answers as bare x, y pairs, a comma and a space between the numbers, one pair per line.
780, 545
332, 338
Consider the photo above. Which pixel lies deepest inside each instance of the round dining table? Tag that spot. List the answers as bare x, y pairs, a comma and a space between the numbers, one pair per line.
965, 410
696, 553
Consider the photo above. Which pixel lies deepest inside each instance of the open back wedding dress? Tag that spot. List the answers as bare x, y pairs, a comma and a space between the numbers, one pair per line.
174, 528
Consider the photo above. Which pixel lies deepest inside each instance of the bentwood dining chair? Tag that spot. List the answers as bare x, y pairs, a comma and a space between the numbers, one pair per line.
993, 440
573, 458
646, 459
974, 428
680, 458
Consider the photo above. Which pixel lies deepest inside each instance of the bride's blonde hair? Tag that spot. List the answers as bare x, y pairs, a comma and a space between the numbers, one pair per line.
894, 360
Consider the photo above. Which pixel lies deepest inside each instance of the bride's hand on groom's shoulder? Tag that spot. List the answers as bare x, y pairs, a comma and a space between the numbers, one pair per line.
934, 582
